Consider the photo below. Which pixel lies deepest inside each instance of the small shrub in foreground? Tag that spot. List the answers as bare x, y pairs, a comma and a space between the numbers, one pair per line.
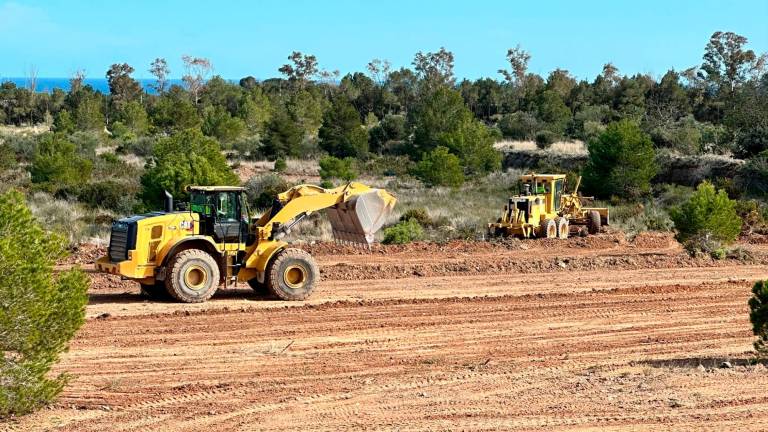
40, 312
403, 232
440, 168
758, 315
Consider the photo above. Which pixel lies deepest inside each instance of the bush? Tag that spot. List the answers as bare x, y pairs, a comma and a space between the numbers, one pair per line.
142, 146
758, 315
184, 159
403, 232
335, 168
109, 194
262, 190
388, 134
440, 168
707, 213
472, 142
621, 162
418, 214
280, 165
342, 134
545, 139
519, 125
57, 165
41, 312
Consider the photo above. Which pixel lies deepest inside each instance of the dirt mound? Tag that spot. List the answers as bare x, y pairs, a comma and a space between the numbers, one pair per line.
652, 239
85, 253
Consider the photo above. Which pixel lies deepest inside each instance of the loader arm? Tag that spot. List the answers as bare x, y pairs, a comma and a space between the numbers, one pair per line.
356, 213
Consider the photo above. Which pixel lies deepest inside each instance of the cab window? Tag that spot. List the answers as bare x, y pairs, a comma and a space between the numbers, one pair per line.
558, 193
226, 208
201, 203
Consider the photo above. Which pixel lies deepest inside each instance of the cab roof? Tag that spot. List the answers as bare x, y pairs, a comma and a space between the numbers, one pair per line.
216, 188
542, 176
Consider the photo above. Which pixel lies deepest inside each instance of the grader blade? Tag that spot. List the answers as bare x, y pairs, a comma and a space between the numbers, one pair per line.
358, 219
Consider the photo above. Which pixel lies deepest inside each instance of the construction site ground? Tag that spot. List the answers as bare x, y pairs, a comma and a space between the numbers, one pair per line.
593, 333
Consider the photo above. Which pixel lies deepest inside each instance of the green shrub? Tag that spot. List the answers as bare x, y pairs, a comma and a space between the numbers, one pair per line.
40, 312
334, 168
621, 162
403, 232
118, 196
418, 214
707, 213
342, 134
57, 165
387, 165
545, 139
184, 159
327, 184
440, 168
518, 125
262, 190
280, 165
758, 315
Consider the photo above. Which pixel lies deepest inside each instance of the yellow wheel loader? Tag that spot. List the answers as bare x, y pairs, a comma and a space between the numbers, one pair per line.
544, 209
188, 254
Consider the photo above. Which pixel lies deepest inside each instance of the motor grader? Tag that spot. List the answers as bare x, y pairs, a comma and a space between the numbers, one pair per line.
545, 210
189, 253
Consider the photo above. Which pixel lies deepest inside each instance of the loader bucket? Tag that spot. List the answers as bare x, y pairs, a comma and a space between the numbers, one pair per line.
359, 218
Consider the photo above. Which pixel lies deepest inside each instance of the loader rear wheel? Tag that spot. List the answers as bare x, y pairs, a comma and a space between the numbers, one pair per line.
156, 291
562, 227
593, 222
193, 276
292, 274
548, 228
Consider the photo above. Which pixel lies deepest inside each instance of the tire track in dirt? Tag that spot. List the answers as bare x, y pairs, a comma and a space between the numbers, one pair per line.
557, 358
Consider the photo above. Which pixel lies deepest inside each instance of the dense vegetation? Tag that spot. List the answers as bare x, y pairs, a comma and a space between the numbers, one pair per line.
412, 122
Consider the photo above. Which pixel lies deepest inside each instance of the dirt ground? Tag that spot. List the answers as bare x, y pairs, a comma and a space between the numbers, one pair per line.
589, 334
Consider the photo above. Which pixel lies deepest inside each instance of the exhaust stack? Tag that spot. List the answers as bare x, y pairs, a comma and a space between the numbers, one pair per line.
168, 202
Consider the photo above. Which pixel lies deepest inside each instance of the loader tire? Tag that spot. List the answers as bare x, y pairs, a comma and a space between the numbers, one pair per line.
562, 227
292, 274
548, 228
193, 276
156, 291
593, 222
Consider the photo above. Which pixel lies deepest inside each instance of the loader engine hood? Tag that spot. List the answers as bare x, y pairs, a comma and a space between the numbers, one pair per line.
123, 235
358, 219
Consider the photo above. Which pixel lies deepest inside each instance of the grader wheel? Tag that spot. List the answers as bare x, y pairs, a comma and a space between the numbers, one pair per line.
292, 274
593, 222
548, 228
562, 227
193, 276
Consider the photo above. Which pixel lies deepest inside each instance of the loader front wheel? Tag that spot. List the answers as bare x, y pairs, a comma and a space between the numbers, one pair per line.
193, 276
548, 228
292, 274
562, 227
593, 222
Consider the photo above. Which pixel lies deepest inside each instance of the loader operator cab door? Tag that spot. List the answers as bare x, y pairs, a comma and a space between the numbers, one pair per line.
223, 215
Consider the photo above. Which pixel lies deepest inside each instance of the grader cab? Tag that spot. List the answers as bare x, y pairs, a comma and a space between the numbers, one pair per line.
544, 209
188, 254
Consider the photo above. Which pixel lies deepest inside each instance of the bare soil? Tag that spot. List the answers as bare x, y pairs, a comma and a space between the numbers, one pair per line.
598, 333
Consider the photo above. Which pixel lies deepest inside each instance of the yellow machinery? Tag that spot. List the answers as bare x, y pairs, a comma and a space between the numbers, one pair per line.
544, 209
187, 254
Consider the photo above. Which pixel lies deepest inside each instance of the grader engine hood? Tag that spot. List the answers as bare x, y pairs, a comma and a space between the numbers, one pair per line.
357, 219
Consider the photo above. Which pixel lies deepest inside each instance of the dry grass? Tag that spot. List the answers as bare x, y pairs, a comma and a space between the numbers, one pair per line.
72, 220
24, 130
296, 170
560, 147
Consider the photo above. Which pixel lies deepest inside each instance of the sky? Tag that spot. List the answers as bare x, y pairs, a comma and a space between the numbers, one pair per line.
241, 38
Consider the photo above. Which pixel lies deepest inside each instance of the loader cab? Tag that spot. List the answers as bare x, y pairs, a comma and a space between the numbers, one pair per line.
223, 212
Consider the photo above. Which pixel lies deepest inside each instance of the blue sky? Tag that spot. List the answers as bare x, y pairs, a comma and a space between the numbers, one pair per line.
254, 38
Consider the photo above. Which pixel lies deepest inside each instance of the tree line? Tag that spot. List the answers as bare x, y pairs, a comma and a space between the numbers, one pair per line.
420, 119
